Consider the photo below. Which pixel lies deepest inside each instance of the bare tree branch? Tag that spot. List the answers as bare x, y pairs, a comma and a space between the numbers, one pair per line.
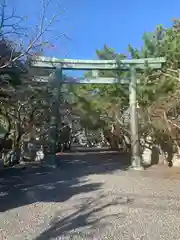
12, 25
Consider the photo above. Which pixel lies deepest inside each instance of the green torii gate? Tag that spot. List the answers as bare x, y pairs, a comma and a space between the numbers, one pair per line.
132, 65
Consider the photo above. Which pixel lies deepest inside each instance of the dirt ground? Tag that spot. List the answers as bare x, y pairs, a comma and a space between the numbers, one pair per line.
90, 195
162, 171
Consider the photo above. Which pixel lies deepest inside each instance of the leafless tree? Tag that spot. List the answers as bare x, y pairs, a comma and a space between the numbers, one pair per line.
16, 41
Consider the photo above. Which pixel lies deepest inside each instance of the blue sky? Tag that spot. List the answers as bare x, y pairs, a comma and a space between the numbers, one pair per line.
90, 24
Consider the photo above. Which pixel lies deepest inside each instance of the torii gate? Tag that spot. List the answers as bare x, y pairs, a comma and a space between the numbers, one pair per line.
132, 65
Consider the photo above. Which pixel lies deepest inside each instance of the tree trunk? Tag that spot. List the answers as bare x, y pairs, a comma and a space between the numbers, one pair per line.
151, 152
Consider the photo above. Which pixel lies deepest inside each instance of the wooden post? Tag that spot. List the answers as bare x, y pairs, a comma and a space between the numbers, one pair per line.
54, 122
135, 144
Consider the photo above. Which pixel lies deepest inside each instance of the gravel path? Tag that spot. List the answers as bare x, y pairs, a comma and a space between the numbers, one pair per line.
90, 201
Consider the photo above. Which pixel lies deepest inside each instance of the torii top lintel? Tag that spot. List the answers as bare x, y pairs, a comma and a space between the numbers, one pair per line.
76, 64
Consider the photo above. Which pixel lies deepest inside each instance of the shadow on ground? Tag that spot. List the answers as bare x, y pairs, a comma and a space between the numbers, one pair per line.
19, 186
23, 186
82, 223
